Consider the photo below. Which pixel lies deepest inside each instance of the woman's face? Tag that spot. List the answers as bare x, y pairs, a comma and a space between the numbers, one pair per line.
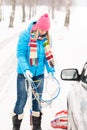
42, 32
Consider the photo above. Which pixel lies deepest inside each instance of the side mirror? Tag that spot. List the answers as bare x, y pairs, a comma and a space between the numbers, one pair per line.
70, 74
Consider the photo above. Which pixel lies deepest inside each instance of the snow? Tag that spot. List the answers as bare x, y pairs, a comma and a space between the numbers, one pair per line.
70, 50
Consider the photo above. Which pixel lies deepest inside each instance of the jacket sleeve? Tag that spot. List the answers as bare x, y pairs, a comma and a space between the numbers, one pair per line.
49, 68
22, 47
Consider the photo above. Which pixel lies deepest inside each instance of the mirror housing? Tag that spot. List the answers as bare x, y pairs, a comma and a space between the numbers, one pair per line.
70, 74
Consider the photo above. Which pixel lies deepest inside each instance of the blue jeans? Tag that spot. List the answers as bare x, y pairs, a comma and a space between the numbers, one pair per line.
22, 94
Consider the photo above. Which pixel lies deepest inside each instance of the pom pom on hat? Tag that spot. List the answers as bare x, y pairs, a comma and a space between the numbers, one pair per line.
43, 23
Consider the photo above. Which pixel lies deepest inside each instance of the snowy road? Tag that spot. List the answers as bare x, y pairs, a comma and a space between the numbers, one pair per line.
63, 52
8, 90
7, 80
70, 50
7, 63
8, 86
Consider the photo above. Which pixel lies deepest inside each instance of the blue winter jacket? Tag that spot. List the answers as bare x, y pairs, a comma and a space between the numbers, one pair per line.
23, 54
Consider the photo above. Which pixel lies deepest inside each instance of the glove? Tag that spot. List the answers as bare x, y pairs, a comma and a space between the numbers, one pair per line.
28, 75
51, 74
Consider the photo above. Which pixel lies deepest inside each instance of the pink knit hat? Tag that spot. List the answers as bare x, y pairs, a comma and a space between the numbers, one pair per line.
43, 23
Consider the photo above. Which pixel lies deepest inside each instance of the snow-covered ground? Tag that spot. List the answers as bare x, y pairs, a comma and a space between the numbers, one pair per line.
70, 50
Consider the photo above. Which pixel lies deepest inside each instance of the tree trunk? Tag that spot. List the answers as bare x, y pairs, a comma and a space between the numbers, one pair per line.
53, 8
12, 16
0, 14
23, 11
30, 9
34, 8
67, 17
0, 11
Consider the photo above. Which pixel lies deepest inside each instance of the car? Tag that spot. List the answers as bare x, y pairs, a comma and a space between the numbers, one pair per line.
77, 97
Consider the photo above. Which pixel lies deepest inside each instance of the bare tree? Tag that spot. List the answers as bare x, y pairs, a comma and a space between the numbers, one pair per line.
34, 8
12, 16
67, 17
30, 8
23, 10
53, 8
0, 10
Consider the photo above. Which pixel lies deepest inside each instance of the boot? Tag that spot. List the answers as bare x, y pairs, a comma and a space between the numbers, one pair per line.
36, 121
16, 122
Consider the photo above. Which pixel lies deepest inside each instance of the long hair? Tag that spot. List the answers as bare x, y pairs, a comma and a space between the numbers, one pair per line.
48, 37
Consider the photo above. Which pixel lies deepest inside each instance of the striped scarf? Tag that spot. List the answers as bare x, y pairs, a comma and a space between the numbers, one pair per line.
33, 52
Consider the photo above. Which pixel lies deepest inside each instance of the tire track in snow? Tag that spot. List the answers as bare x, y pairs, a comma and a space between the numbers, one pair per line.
7, 65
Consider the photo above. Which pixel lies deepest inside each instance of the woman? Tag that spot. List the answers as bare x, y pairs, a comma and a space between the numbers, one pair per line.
33, 54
